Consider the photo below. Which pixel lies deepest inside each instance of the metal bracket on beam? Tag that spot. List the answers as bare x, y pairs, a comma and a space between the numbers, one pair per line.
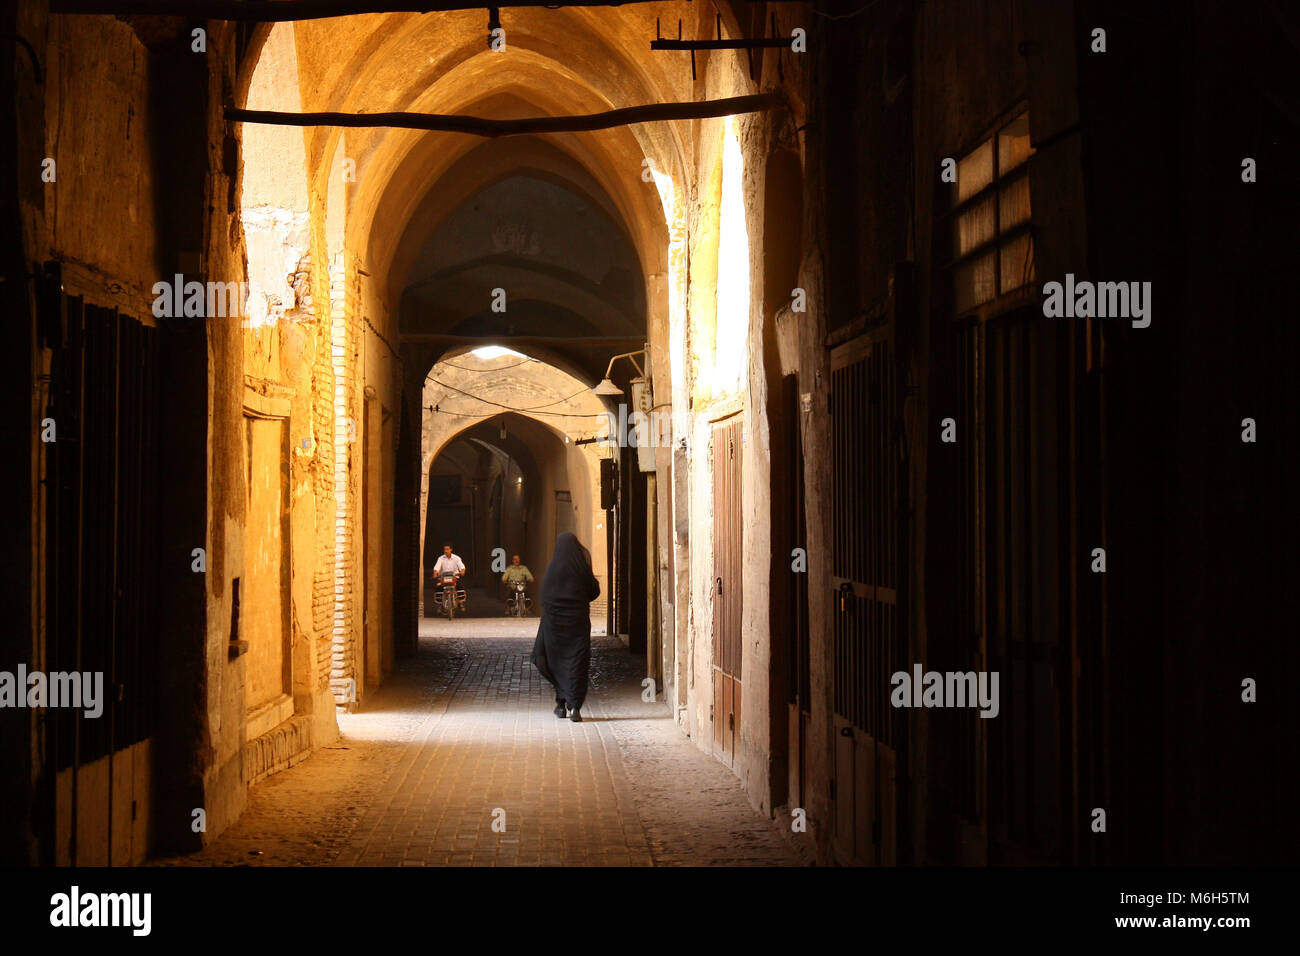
764, 44
774, 42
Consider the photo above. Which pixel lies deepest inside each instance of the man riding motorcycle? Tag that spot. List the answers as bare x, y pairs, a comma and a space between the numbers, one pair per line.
450, 563
514, 574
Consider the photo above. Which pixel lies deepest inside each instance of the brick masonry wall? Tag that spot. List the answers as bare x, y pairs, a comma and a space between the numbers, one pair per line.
323, 489
344, 352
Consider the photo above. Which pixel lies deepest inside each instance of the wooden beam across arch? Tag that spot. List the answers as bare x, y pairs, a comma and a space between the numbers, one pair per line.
287, 11
492, 128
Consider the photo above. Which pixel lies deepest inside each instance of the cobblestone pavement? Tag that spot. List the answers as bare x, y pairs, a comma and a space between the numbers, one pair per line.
463, 736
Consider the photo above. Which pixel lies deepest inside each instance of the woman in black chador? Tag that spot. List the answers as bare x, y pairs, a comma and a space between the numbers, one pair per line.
562, 651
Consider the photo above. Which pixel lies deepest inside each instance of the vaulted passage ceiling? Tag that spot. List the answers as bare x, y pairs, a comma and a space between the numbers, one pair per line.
568, 224
556, 62
563, 265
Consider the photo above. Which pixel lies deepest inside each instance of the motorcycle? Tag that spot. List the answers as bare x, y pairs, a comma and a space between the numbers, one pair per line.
518, 603
449, 597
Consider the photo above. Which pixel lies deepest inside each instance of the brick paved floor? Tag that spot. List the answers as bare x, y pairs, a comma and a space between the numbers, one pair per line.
463, 736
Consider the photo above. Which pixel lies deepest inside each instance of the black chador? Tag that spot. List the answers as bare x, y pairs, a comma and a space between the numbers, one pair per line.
562, 651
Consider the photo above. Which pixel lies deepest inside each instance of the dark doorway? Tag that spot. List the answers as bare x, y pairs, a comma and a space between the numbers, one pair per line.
790, 584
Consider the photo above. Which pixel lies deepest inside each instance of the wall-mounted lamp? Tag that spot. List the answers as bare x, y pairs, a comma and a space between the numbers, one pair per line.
643, 404
606, 387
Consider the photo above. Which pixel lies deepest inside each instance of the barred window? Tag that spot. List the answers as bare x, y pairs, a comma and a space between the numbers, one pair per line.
992, 247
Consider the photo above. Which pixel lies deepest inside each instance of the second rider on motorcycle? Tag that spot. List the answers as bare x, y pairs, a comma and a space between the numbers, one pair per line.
516, 572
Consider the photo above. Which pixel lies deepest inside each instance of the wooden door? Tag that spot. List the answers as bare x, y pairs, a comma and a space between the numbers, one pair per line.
103, 482
726, 452
869, 636
1022, 603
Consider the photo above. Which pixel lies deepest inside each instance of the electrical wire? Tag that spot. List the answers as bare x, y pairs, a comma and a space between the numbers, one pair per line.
465, 368
442, 411
438, 410
558, 401
511, 408
381, 338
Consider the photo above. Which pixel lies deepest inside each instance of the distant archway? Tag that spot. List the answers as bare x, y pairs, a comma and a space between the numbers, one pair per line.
503, 486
